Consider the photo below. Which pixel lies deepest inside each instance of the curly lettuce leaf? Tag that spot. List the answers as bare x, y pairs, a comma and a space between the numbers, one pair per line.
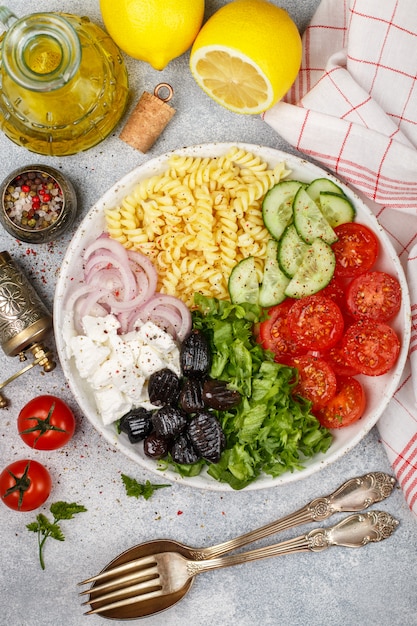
271, 431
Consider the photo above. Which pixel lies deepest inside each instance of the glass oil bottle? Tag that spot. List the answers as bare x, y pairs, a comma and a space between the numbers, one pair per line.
63, 82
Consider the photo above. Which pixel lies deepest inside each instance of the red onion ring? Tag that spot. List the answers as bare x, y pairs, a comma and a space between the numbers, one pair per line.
153, 307
76, 303
89, 302
109, 276
124, 282
103, 261
118, 306
104, 244
75, 295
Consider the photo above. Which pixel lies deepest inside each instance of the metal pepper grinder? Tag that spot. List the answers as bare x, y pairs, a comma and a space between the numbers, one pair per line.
24, 320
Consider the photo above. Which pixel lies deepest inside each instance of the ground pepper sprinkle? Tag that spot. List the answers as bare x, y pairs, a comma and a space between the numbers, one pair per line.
33, 200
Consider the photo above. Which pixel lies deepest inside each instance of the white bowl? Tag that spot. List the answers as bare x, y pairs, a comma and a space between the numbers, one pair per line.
379, 390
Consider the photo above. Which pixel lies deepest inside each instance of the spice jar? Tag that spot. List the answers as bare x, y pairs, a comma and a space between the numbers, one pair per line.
38, 203
63, 82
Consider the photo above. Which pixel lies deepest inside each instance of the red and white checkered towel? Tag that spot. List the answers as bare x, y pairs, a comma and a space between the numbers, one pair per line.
353, 109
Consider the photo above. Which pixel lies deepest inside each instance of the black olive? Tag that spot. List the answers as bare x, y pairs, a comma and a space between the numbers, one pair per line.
183, 451
137, 424
217, 395
195, 358
164, 387
191, 399
169, 421
207, 437
155, 446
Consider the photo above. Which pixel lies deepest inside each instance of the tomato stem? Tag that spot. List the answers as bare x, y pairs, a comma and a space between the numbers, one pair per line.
42, 425
21, 485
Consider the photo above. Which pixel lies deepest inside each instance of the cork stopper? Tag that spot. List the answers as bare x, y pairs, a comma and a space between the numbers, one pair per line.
149, 118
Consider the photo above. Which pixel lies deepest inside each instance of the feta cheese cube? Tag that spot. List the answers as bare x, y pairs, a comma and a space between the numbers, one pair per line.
87, 355
111, 404
118, 366
149, 361
100, 328
154, 336
132, 385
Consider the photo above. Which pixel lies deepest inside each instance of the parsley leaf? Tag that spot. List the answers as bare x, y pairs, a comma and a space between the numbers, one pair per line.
137, 490
66, 510
45, 528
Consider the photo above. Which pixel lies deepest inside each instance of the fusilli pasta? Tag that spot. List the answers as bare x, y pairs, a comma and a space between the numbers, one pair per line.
197, 220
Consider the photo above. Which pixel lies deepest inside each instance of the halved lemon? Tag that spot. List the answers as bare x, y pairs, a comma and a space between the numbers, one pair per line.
247, 55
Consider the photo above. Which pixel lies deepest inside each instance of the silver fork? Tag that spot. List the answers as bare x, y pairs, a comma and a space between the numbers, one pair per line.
170, 573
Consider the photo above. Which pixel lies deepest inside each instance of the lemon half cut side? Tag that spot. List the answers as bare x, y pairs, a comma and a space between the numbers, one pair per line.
232, 79
247, 55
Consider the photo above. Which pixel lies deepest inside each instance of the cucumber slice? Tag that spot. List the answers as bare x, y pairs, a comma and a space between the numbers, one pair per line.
291, 249
314, 273
277, 206
318, 185
309, 220
274, 281
243, 282
336, 209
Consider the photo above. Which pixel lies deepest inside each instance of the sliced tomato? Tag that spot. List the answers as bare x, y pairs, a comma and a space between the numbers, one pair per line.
370, 347
274, 334
346, 407
335, 290
316, 380
315, 323
338, 360
374, 295
356, 249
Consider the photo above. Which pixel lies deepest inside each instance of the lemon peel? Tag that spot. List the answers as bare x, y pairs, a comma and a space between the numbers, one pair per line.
154, 31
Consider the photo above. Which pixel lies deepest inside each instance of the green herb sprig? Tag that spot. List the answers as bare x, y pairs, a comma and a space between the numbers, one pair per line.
45, 528
138, 490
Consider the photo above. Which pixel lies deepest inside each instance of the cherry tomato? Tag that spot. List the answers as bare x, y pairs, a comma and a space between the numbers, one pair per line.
370, 347
25, 485
337, 359
356, 249
335, 290
374, 295
315, 323
316, 380
46, 423
346, 407
274, 334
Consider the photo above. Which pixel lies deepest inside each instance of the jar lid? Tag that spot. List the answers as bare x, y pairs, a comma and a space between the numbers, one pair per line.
38, 203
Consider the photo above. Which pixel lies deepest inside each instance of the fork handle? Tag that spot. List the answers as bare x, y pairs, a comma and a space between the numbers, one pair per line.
354, 495
354, 531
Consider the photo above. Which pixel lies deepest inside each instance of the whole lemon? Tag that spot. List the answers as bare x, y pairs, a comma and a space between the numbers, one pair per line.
247, 55
155, 31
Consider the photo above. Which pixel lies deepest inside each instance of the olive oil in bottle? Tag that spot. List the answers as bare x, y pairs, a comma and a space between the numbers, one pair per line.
63, 82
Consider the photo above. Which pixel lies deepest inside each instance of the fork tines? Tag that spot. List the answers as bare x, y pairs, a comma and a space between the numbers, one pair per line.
143, 583
122, 597
136, 564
